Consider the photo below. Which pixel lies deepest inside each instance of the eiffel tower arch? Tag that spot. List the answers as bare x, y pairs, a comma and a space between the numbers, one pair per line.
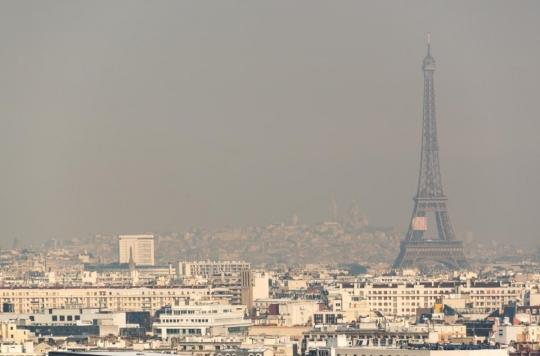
430, 238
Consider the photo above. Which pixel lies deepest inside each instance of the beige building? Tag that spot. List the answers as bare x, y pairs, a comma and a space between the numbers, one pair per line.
9, 332
32, 300
507, 334
296, 284
210, 268
253, 286
287, 312
138, 247
403, 299
448, 332
261, 287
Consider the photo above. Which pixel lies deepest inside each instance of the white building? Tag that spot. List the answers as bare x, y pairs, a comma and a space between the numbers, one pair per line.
108, 322
261, 287
507, 334
403, 299
138, 247
33, 300
202, 320
210, 268
287, 312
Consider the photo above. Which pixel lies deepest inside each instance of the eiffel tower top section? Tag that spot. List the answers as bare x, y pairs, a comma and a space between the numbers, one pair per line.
429, 63
429, 179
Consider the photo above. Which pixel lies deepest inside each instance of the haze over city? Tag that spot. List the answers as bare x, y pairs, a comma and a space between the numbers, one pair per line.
269, 178
159, 116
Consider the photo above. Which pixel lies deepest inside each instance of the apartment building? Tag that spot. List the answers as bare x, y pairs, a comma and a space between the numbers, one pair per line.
286, 312
491, 294
32, 300
201, 320
403, 299
136, 248
210, 268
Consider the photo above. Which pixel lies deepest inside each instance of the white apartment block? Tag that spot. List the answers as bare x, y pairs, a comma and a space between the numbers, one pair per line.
138, 247
403, 299
202, 320
33, 300
210, 268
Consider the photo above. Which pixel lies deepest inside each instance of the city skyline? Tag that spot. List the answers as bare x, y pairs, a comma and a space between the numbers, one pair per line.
234, 178
160, 118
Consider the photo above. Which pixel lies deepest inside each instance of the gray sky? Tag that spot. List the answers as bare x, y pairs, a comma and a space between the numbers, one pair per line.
125, 116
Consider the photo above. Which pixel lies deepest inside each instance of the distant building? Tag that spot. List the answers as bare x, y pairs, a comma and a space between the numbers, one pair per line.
10, 332
286, 312
201, 320
405, 299
138, 249
65, 322
507, 334
261, 285
210, 268
33, 300
253, 285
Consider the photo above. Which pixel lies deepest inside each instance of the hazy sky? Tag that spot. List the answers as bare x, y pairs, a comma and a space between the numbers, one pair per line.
127, 116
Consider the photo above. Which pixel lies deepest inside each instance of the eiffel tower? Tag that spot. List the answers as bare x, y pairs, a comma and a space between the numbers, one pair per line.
419, 248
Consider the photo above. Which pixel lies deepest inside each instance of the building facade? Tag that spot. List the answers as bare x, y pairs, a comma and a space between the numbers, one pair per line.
210, 268
31, 300
201, 320
136, 248
404, 299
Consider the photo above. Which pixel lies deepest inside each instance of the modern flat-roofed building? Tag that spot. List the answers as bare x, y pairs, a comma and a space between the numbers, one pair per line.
138, 249
201, 320
65, 322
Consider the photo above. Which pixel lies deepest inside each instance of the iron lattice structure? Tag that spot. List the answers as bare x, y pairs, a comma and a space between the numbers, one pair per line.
417, 249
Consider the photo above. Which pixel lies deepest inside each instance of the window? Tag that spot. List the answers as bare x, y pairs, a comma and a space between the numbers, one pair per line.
54, 318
